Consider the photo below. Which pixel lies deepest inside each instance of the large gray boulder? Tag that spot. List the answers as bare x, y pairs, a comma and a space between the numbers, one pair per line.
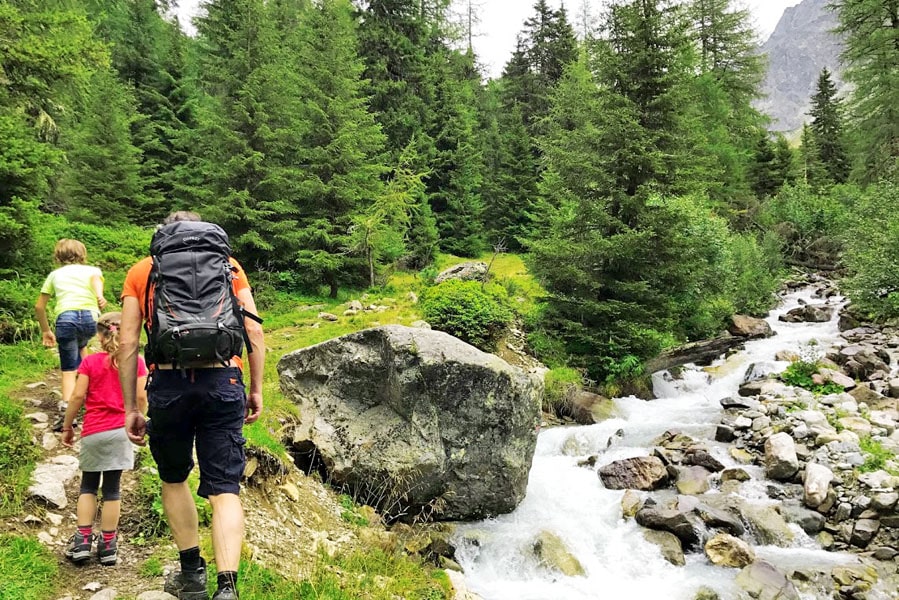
415, 422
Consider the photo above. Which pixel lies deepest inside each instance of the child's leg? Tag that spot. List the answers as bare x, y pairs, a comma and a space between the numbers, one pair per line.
68, 384
86, 510
112, 504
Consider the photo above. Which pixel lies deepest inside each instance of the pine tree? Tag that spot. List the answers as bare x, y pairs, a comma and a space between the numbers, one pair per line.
104, 183
871, 53
341, 180
814, 172
762, 175
48, 55
827, 128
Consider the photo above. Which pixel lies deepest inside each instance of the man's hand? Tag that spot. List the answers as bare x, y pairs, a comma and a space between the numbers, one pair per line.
49, 339
136, 428
254, 407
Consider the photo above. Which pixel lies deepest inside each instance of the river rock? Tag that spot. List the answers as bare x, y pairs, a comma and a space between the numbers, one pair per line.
810, 313
728, 551
762, 581
638, 473
749, 327
411, 419
816, 484
669, 544
692, 481
810, 521
863, 532
768, 525
686, 525
781, 462
552, 553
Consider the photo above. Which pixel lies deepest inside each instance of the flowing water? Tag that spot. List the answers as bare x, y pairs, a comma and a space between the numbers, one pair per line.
571, 502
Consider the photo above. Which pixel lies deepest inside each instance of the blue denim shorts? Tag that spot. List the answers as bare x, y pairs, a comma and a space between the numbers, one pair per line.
206, 406
74, 329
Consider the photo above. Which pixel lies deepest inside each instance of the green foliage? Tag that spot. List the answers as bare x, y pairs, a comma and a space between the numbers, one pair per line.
350, 513
151, 568
799, 374
872, 255
559, 383
809, 225
371, 574
23, 362
877, 457
28, 570
472, 312
827, 129
870, 54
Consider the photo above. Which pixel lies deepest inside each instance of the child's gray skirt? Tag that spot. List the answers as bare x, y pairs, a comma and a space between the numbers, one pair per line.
107, 451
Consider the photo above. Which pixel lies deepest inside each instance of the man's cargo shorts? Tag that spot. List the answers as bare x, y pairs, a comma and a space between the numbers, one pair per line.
206, 405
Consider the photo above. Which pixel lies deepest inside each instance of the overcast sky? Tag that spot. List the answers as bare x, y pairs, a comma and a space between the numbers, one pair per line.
501, 20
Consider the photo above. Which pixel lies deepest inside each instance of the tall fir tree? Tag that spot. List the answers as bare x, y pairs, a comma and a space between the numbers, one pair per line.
827, 128
46, 62
341, 156
104, 183
871, 53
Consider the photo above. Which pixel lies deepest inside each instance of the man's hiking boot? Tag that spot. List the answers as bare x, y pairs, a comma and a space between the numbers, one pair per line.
189, 585
79, 548
225, 593
107, 552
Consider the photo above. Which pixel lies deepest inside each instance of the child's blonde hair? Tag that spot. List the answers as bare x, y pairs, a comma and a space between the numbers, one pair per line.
108, 329
70, 252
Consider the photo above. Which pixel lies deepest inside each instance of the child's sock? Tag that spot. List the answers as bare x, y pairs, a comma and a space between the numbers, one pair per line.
227, 579
85, 530
108, 536
190, 559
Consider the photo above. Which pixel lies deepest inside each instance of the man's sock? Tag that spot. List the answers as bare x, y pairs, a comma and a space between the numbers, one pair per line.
227, 579
190, 559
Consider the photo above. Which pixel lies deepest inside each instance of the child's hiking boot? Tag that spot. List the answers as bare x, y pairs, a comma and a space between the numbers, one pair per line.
79, 548
107, 552
190, 585
226, 592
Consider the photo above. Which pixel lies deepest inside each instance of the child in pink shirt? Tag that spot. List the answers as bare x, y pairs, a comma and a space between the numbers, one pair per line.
105, 448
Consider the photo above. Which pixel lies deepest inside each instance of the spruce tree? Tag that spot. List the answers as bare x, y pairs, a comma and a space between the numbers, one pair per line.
871, 53
827, 128
103, 183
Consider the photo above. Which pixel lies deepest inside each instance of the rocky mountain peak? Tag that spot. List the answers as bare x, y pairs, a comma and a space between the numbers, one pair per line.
801, 45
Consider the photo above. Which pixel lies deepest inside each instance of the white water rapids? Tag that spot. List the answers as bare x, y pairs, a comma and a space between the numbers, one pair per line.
571, 502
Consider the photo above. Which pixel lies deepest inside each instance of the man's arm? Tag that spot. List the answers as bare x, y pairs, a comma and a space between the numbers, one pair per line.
129, 340
256, 358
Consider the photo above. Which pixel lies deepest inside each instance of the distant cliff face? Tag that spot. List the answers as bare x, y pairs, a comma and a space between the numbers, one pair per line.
802, 44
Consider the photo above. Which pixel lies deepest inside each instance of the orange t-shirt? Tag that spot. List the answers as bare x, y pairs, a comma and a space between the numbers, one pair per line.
136, 285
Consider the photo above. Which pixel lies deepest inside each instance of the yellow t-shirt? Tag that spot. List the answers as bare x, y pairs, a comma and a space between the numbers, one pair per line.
71, 286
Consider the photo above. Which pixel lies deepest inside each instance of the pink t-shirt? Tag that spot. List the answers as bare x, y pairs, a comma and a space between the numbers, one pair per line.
104, 407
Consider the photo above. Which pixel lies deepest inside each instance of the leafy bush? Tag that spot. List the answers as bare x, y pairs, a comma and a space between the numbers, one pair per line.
473, 313
810, 225
800, 374
876, 456
872, 254
559, 383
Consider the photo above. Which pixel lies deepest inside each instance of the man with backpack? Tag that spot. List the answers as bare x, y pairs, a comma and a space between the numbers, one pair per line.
198, 312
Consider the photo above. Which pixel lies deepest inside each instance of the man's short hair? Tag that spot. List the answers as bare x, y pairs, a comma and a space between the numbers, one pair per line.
181, 215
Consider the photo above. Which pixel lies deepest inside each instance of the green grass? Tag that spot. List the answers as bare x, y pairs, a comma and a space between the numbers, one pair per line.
876, 456
27, 569
24, 362
558, 383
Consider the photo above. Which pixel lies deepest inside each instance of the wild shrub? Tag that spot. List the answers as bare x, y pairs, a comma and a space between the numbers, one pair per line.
800, 374
472, 312
872, 254
558, 384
